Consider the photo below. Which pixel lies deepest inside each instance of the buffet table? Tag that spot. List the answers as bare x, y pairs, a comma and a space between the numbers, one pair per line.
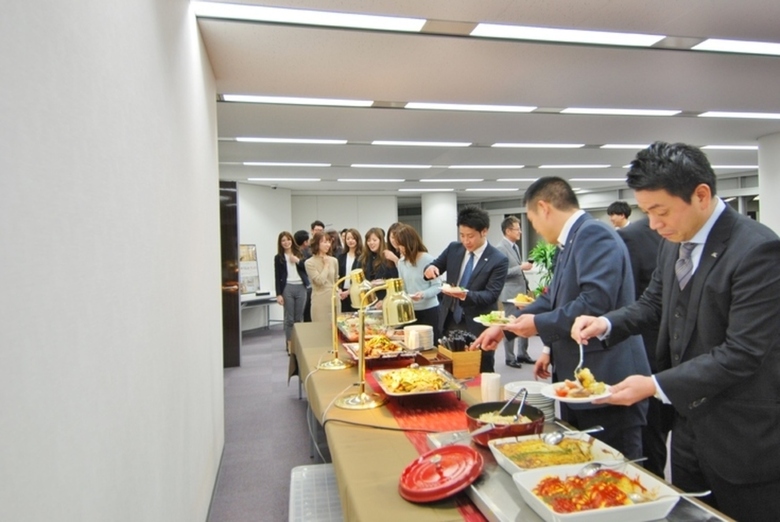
369, 452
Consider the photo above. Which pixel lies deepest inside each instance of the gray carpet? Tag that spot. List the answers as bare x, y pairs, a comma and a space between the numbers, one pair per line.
265, 434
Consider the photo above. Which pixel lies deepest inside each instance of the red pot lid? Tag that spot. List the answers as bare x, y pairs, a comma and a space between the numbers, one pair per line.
440, 473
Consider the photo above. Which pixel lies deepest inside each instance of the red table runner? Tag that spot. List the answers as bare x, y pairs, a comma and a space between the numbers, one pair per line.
432, 412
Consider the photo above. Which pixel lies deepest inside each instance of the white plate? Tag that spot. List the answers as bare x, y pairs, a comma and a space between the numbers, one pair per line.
600, 451
485, 323
520, 304
549, 392
526, 481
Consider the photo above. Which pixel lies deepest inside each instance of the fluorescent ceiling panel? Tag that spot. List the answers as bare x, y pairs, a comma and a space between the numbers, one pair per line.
492, 189
547, 34
283, 179
452, 180
632, 146
734, 167
730, 147
738, 46
292, 100
619, 112
621, 180
282, 164
505, 167
257, 13
510, 180
743, 115
468, 107
388, 166
426, 190
298, 141
422, 143
594, 166
539, 145
371, 180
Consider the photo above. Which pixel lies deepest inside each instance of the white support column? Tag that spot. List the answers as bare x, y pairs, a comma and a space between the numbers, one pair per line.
769, 180
439, 220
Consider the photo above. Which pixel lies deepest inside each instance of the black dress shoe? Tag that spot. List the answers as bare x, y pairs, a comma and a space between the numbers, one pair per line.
514, 364
526, 359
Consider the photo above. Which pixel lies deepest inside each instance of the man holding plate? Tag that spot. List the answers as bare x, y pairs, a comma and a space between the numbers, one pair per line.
592, 276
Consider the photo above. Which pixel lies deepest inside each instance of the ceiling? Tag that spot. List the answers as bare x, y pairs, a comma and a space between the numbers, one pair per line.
394, 68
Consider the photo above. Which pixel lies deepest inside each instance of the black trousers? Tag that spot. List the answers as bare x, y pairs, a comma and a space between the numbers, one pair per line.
758, 502
659, 423
622, 426
488, 359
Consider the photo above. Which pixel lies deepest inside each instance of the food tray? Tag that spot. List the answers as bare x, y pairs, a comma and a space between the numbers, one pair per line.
353, 349
450, 385
526, 481
599, 451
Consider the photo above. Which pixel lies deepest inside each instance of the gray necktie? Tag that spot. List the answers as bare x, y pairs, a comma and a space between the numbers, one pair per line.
517, 252
683, 267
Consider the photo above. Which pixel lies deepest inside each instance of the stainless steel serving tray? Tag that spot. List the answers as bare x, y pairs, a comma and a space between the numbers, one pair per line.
451, 384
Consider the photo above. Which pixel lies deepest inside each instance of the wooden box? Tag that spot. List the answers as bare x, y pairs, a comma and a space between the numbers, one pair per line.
464, 364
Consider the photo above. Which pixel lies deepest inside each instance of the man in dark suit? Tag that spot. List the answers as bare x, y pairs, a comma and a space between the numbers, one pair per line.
714, 298
642, 243
474, 280
592, 273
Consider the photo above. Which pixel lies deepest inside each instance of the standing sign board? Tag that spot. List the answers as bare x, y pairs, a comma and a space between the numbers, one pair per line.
249, 276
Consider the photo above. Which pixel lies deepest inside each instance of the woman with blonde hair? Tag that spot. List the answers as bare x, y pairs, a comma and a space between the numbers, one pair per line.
323, 272
414, 259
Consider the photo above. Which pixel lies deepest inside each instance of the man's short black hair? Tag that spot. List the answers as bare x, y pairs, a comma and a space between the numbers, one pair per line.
620, 208
474, 217
676, 168
301, 237
556, 191
317, 223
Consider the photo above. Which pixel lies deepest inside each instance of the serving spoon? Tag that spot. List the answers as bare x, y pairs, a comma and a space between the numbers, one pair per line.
556, 437
638, 498
592, 467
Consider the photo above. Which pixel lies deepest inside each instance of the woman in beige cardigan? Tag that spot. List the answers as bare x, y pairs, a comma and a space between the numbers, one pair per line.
323, 272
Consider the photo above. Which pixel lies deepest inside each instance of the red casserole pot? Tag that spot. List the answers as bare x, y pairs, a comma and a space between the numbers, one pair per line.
508, 430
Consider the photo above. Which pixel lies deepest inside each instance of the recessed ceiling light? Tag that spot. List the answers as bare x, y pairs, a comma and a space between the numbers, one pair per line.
492, 189
258, 13
283, 179
300, 141
738, 46
730, 147
468, 107
426, 190
423, 143
506, 167
621, 180
744, 115
388, 166
631, 146
510, 180
539, 145
734, 167
452, 180
283, 164
547, 34
755, 198
594, 166
371, 180
619, 112
292, 100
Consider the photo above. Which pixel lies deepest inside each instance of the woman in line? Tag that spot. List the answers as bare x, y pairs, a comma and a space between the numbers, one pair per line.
323, 272
348, 261
391, 251
291, 281
375, 266
414, 259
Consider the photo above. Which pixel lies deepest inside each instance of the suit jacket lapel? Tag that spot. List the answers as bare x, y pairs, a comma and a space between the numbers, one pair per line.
563, 257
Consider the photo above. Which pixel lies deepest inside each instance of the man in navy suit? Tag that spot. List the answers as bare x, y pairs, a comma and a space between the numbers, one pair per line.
714, 300
592, 272
476, 272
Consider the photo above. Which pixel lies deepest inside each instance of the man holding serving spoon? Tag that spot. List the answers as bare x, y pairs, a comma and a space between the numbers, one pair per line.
592, 273
714, 299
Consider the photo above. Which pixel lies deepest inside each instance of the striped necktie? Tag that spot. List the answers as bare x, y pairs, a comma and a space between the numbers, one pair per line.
683, 267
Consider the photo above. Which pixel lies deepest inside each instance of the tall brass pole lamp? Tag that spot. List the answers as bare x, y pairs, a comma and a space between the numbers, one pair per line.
359, 286
397, 309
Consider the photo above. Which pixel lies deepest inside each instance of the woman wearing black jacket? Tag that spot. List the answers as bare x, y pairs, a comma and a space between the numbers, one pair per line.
349, 260
291, 282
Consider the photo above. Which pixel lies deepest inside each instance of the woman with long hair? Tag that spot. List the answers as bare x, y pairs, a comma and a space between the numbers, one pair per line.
323, 272
391, 252
291, 281
424, 294
375, 266
349, 260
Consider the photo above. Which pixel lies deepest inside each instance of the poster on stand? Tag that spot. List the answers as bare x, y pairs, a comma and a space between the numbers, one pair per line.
249, 279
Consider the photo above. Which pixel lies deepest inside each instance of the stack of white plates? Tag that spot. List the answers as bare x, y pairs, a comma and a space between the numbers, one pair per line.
418, 337
535, 397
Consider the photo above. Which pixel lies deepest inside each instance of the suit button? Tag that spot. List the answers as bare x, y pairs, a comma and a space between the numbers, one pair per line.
677, 315
676, 357
675, 337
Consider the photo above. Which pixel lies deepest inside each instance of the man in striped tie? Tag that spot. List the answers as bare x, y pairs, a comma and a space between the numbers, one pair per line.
714, 299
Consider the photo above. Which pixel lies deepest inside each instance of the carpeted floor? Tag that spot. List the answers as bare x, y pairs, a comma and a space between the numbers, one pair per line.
266, 434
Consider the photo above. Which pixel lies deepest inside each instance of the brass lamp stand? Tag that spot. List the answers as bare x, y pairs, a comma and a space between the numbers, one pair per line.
397, 309
359, 286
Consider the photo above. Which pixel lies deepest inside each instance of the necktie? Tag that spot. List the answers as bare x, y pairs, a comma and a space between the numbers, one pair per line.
517, 252
457, 312
683, 267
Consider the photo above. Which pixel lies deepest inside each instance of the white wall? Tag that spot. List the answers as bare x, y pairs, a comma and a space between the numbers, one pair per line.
360, 212
263, 213
111, 387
